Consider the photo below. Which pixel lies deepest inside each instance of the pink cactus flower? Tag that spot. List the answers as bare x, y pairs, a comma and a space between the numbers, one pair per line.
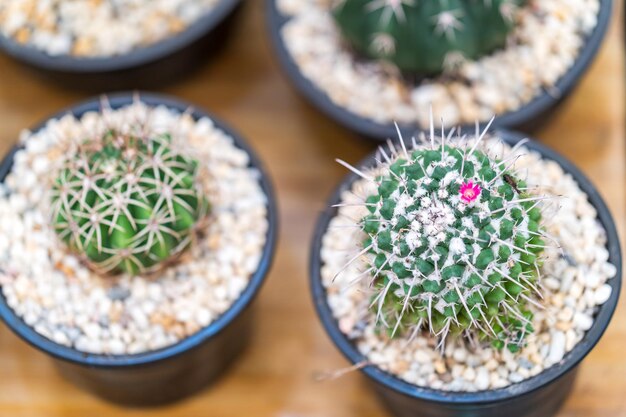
469, 191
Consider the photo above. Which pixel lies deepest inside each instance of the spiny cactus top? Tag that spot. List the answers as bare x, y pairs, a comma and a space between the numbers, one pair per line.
127, 203
454, 241
424, 36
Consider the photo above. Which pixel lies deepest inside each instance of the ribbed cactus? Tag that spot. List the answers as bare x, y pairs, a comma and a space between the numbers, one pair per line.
454, 241
126, 203
423, 37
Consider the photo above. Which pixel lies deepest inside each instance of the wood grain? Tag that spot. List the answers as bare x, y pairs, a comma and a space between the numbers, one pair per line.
275, 377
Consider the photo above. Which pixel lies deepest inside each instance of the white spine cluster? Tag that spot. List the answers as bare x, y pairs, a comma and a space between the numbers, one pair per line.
453, 240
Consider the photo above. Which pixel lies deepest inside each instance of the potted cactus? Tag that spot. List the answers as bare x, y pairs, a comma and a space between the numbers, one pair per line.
134, 269
114, 45
468, 59
466, 275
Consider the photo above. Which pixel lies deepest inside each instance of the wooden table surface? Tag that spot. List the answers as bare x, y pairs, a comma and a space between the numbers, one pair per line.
275, 378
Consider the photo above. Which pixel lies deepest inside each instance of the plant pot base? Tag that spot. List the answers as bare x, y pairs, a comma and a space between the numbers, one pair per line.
167, 381
540, 403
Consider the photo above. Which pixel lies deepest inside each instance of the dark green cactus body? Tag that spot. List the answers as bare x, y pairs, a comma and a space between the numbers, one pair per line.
128, 204
423, 37
455, 243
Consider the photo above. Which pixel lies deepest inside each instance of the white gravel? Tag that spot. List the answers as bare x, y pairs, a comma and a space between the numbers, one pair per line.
541, 48
97, 28
574, 285
67, 303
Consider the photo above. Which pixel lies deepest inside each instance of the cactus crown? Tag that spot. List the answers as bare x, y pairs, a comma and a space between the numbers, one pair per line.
127, 203
454, 244
424, 37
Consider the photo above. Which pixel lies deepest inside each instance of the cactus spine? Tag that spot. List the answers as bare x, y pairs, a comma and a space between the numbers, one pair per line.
453, 244
424, 37
128, 203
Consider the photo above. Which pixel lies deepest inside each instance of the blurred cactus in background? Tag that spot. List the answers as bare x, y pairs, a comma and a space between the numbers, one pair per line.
424, 37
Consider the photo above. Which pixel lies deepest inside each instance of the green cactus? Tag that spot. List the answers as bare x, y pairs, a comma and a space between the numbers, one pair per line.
423, 37
454, 244
126, 203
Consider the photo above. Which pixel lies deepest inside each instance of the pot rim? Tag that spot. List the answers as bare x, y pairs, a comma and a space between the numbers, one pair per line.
28, 334
134, 58
571, 359
371, 129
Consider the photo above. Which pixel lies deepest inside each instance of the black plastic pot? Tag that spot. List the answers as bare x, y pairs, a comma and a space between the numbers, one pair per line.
174, 372
539, 396
145, 67
527, 118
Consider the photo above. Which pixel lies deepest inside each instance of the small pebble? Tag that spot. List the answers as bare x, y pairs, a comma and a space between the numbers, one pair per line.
482, 379
583, 321
469, 374
557, 347
118, 293
602, 294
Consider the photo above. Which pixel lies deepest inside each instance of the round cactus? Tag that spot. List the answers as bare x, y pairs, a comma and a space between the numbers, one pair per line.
454, 243
126, 203
424, 37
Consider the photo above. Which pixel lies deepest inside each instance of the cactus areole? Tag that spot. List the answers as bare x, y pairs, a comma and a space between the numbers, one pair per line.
128, 203
425, 37
454, 244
